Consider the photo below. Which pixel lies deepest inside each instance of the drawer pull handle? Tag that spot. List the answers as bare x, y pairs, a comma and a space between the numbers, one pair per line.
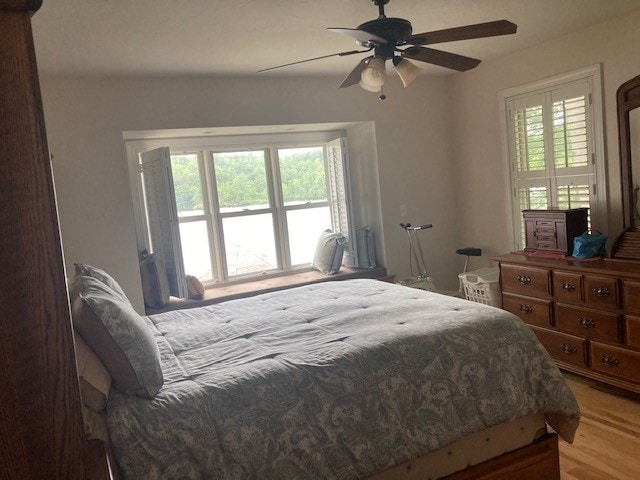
609, 361
526, 308
524, 279
586, 322
568, 287
568, 348
601, 291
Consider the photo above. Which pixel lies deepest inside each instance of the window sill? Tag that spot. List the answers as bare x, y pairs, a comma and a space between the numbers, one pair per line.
222, 293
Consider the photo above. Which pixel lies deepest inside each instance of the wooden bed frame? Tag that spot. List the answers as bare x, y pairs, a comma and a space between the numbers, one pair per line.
537, 461
41, 432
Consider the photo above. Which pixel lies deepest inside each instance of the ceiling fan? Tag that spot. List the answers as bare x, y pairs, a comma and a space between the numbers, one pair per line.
393, 39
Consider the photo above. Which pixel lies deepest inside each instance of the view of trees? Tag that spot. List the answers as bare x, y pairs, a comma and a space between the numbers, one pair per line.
241, 178
186, 182
302, 173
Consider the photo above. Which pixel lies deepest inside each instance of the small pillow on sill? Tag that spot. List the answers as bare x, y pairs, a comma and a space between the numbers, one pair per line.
155, 284
329, 252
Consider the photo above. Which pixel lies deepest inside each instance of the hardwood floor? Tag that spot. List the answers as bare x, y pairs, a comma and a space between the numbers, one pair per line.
607, 443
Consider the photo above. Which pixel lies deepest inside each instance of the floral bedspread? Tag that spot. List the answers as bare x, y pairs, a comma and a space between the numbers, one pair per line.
331, 380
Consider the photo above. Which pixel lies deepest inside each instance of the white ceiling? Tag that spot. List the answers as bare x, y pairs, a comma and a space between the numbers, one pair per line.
239, 37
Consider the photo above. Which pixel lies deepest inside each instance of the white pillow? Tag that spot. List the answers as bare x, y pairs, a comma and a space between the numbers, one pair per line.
329, 252
94, 379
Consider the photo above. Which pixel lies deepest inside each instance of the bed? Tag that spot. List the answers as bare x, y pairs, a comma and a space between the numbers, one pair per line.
346, 380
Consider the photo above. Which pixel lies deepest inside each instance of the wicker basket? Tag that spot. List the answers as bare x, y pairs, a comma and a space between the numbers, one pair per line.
482, 286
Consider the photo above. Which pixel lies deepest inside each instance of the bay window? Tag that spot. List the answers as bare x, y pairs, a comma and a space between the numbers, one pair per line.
231, 213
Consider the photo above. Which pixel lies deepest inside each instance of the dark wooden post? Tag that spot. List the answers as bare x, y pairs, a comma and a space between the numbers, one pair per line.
41, 433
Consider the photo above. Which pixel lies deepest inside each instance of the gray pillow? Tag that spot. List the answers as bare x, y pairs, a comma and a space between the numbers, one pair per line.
95, 272
155, 285
120, 338
329, 252
366, 248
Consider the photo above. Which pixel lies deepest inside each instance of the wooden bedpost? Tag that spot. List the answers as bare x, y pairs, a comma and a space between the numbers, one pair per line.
41, 431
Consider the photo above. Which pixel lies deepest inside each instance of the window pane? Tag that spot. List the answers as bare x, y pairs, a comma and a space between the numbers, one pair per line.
241, 180
570, 133
195, 249
303, 176
305, 227
250, 244
186, 182
529, 137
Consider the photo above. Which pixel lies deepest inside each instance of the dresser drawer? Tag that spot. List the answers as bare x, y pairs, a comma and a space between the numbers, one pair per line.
531, 281
532, 310
563, 347
601, 292
585, 313
545, 235
588, 323
567, 287
615, 361
631, 296
632, 324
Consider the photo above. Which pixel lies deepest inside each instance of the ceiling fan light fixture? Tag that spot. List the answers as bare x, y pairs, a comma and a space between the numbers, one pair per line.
373, 76
387, 36
406, 70
370, 88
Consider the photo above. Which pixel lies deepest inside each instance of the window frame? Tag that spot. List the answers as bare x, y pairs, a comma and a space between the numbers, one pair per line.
276, 208
201, 145
592, 75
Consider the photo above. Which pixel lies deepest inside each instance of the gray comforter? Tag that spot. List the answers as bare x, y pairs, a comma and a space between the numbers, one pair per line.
332, 380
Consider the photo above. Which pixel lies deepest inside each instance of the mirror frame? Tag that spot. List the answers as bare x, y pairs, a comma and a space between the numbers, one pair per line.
628, 98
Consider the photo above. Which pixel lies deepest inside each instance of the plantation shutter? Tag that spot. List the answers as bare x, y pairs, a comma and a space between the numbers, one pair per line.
572, 146
551, 151
341, 207
162, 216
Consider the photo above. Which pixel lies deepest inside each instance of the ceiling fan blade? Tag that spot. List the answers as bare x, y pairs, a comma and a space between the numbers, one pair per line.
339, 54
360, 35
354, 77
479, 30
443, 59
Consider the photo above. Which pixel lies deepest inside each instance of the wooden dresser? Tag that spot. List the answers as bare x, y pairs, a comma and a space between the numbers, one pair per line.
586, 313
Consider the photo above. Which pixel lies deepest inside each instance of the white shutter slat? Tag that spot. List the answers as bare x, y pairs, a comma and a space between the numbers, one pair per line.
529, 138
341, 208
570, 141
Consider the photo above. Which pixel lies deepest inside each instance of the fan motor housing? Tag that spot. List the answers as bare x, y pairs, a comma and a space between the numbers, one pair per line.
393, 30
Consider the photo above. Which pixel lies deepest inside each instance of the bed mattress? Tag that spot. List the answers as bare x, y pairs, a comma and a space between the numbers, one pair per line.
331, 380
